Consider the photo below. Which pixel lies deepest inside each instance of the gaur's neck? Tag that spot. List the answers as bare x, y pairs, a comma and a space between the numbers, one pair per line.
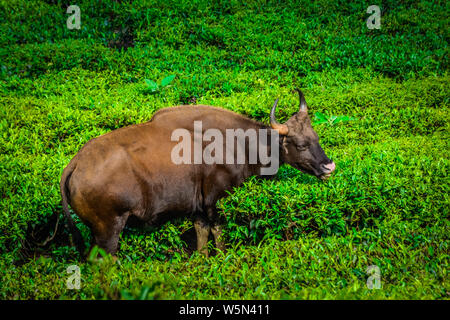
256, 169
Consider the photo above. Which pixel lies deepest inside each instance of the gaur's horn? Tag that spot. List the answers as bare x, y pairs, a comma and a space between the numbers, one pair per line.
281, 128
302, 105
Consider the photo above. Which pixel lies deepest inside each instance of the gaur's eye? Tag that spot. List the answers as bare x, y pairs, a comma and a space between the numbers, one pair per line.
301, 147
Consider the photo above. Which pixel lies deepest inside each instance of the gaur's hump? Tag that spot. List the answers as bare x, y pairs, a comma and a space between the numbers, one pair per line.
200, 111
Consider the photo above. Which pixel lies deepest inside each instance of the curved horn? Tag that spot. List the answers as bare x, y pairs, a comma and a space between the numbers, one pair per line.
281, 128
302, 105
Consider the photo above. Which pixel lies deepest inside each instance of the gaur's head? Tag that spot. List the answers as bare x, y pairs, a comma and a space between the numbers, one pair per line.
300, 146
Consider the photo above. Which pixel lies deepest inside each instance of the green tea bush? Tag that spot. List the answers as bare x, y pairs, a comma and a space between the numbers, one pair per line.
292, 237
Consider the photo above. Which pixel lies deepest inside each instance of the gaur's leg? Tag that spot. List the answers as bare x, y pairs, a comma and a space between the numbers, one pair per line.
216, 227
106, 234
216, 230
202, 229
213, 187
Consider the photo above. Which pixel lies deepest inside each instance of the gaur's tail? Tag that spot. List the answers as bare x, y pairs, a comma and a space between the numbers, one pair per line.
76, 234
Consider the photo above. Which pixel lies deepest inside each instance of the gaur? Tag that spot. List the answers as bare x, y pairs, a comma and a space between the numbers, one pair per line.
129, 172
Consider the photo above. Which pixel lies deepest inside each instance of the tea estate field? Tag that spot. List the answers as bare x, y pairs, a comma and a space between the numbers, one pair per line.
378, 98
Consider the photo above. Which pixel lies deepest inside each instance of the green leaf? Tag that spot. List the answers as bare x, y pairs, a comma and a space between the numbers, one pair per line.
343, 118
167, 80
93, 254
144, 293
321, 118
151, 85
331, 119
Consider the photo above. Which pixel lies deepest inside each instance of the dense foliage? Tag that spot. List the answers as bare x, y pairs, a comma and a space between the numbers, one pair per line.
292, 237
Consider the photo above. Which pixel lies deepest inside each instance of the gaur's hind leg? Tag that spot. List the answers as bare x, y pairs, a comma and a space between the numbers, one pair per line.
216, 227
202, 230
106, 234
216, 230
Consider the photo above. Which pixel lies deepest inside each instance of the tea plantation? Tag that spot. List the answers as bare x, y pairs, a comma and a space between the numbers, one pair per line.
378, 98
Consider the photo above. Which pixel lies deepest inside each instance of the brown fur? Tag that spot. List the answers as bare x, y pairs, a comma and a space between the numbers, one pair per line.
129, 172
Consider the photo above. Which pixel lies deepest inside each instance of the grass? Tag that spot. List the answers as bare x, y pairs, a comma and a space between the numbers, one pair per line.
293, 237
